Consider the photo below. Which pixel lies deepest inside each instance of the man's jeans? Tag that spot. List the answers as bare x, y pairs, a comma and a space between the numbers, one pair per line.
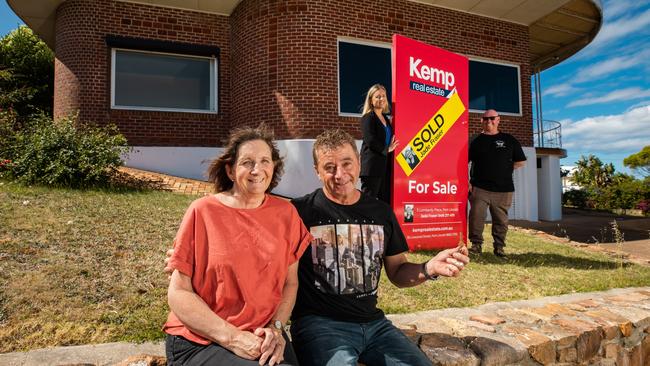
321, 341
499, 203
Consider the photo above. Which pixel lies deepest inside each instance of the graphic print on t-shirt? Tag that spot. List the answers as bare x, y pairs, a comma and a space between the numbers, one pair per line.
347, 257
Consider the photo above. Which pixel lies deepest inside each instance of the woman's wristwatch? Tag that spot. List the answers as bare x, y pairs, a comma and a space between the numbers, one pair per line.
426, 274
276, 324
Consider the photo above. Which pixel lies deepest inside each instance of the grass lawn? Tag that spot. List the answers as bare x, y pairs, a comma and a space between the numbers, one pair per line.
80, 267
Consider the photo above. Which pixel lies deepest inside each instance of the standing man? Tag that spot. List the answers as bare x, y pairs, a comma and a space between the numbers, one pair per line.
494, 155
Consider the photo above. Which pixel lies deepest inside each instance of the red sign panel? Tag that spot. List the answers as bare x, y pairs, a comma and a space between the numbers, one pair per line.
430, 102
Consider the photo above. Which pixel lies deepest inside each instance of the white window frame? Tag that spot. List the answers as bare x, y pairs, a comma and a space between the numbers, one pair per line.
338, 64
214, 83
502, 63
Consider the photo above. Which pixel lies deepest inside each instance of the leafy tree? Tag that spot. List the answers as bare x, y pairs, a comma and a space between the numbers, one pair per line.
26, 73
639, 162
592, 173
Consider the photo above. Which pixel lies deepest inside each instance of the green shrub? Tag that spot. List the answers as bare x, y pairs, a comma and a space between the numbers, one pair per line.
624, 194
575, 197
65, 152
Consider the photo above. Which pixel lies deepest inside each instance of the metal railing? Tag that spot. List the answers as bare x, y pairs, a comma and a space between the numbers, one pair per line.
550, 136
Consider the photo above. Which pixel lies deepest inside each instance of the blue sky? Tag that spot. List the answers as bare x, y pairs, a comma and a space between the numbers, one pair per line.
601, 95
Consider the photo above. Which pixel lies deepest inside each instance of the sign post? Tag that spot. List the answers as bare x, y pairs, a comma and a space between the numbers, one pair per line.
430, 101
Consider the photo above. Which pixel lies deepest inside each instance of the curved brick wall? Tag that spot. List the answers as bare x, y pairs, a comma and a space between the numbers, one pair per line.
282, 57
285, 57
82, 68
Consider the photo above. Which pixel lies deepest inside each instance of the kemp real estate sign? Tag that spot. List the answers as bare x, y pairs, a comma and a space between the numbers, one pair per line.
430, 99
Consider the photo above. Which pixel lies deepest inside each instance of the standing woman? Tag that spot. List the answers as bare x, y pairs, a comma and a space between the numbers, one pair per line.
235, 263
378, 143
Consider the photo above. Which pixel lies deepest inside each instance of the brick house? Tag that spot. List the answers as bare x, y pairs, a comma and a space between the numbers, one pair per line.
177, 75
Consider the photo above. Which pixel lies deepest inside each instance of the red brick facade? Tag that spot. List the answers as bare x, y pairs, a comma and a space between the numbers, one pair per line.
278, 61
83, 64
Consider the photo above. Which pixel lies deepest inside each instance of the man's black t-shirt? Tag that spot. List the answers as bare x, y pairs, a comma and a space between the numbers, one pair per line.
492, 158
339, 273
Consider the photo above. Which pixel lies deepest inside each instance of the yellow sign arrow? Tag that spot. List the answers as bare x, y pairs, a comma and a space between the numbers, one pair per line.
433, 131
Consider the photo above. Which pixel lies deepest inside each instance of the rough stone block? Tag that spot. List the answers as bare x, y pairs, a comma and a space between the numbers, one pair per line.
540, 347
493, 352
445, 350
564, 338
607, 362
588, 344
611, 350
567, 355
626, 329
645, 350
636, 356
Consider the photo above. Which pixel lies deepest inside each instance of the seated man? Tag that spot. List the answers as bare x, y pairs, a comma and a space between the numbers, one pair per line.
335, 320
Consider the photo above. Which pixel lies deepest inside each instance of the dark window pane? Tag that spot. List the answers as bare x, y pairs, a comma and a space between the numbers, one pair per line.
361, 66
162, 81
493, 86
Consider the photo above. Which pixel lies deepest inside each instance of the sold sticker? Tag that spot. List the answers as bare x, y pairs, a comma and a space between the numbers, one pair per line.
432, 132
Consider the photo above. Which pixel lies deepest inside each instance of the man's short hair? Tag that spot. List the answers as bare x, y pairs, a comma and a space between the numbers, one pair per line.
331, 140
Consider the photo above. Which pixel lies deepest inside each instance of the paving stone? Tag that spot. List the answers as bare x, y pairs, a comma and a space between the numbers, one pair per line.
589, 303
629, 297
517, 315
639, 317
487, 319
462, 328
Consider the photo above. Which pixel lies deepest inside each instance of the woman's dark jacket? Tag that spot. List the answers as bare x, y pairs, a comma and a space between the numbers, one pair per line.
374, 151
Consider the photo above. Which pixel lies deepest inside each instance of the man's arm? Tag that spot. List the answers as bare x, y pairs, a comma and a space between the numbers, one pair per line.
447, 263
519, 164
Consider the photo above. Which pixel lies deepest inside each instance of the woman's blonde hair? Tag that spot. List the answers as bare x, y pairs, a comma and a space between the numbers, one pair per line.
367, 105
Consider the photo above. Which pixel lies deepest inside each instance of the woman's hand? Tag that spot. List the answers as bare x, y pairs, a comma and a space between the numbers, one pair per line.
393, 144
272, 346
245, 345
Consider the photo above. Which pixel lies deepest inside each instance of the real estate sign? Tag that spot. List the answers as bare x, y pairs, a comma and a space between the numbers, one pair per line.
430, 99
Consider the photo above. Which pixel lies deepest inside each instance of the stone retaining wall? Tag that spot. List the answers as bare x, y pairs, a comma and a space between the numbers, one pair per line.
605, 328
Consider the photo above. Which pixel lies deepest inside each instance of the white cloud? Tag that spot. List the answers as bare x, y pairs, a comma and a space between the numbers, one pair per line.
559, 90
611, 66
615, 8
619, 28
626, 132
613, 96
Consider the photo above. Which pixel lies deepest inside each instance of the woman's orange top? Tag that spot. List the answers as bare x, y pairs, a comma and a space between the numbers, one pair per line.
237, 259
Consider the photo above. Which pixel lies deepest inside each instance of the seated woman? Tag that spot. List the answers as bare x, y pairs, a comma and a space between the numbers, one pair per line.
234, 278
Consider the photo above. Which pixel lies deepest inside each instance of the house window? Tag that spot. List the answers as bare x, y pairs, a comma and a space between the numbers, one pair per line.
491, 85
144, 80
361, 65
496, 86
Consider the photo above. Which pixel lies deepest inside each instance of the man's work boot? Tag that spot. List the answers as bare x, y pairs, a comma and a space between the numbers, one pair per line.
475, 249
499, 252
